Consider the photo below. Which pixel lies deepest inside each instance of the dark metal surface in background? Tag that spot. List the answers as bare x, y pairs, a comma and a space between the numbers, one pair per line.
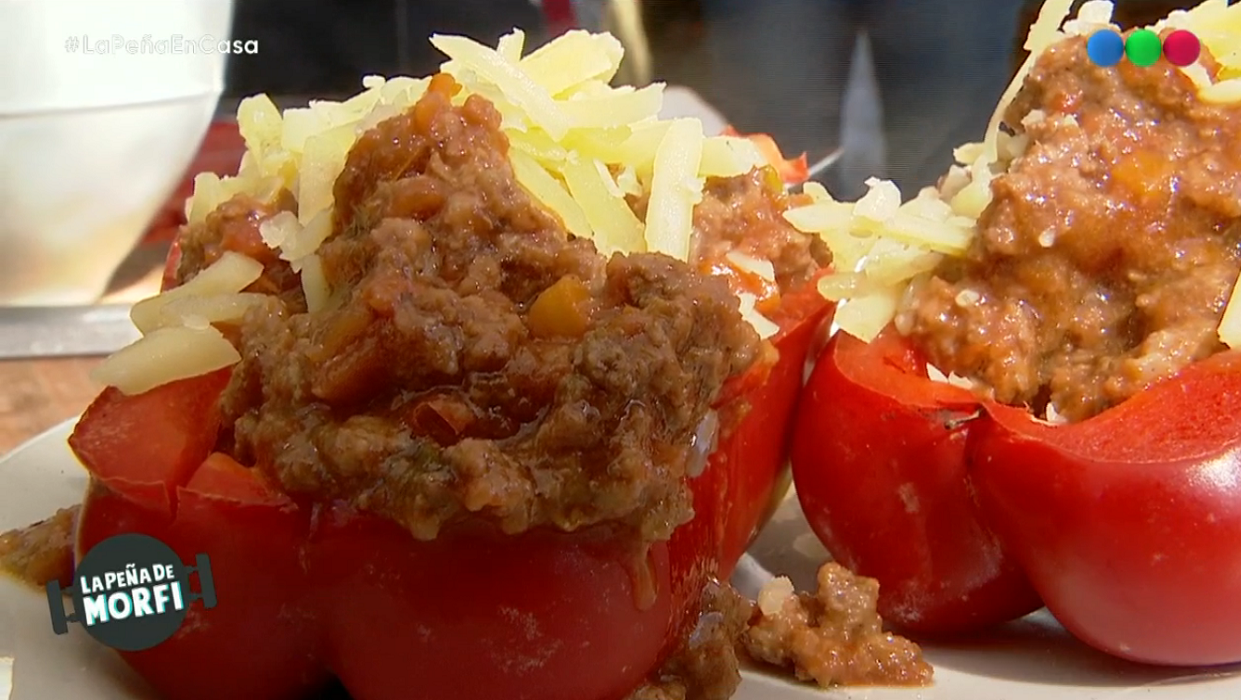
64, 331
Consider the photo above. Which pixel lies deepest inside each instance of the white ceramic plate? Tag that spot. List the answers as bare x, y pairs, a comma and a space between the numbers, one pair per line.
1033, 658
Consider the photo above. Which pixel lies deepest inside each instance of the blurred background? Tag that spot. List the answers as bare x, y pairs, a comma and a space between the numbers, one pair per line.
101, 141
876, 88
897, 83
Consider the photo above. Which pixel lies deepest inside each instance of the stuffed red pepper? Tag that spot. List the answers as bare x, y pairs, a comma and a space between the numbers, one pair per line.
1033, 396
471, 386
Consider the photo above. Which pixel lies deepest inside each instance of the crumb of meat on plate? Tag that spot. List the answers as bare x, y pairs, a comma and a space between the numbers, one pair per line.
42, 552
832, 638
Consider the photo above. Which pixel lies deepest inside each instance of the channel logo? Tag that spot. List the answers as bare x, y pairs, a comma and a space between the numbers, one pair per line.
1143, 48
132, 592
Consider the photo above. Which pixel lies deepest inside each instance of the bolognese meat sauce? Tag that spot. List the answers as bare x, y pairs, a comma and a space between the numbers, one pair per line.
1107, 255
43, 551
477, 359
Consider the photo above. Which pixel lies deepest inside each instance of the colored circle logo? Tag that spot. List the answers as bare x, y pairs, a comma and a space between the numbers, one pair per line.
1143, 48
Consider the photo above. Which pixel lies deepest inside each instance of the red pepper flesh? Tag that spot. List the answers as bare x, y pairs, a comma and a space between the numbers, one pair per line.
306, 592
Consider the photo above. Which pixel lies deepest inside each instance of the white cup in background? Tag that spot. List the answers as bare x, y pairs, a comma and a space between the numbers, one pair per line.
103, 104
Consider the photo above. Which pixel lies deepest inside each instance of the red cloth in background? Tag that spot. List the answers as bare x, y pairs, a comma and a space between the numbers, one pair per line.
559, 15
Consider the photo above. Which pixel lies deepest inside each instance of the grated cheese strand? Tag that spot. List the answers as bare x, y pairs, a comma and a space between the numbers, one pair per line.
615, 109
223, 308
1230, 324
1043, 33
614, 226
554, 196
164, 356
675, 189
323, 160
315, 284
572, 59
512, 45
512, 81
229, 275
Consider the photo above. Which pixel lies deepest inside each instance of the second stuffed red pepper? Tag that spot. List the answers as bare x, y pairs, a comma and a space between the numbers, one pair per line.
1047, 415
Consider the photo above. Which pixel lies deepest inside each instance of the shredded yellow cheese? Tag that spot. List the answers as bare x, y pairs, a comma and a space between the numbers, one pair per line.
561, 116
315, 284
762, 268
878, 245
762, 325
615, 109
323, 159
1092, 16
515, 84
675, 189
166, 355
603, 206
576, 58
222, 308
229, 275
1223, 92
579, 146
543, 185
1230, 324
1043, 33
512, 45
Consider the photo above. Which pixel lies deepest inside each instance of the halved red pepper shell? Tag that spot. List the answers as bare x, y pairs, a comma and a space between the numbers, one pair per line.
1129, 523
310, 590
879, 465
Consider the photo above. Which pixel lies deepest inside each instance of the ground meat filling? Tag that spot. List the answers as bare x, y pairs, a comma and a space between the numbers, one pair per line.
234, 226
745, 214
1106, 258
708, 665
833, 637
41, 552
475, 359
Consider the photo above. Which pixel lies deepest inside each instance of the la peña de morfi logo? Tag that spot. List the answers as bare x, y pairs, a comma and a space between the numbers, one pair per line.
131, 592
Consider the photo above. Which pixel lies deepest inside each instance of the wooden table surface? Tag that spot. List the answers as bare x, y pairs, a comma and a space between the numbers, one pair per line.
37, 394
